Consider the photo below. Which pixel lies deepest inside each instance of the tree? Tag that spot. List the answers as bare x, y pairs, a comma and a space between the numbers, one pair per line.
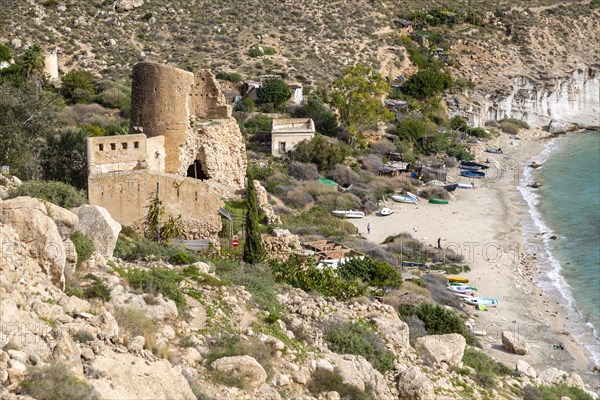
427, 83
325, 120
254, 251
78, 87
33, 64
319, 151
27, 117
162, 231
371, 271
65, 158
274, 91
358, 96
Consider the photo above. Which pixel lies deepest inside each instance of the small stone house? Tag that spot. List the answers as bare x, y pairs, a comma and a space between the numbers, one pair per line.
288, 132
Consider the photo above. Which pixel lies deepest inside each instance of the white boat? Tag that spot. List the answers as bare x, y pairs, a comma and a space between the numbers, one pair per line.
461, 288
409, 198
465, 186
348, 214
386, 211
486, 301
413, 195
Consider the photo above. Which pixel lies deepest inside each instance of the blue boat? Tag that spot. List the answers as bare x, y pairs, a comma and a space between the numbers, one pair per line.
486, 301
473, 174
472, 164
405, 199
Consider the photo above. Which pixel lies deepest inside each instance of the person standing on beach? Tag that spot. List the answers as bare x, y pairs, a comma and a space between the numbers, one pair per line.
368, 228
439, 244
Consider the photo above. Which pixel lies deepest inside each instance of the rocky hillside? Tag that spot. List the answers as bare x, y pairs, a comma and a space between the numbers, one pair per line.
309, 41
108, 328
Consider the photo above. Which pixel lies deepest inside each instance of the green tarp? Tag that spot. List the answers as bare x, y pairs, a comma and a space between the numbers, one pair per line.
328, 182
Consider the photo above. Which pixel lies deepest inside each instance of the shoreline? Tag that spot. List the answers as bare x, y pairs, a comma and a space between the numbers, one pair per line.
487, 226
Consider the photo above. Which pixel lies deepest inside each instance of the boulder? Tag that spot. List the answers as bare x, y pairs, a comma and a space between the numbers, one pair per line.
559, 127
443, 348
126, 5
525, 369
515, 343
357, 371
535, 164
393, 330
96, 223
242, 367
159, 309
125, 376
136, 344
414, 385
29, 218
65, 352
65, 220
553, 376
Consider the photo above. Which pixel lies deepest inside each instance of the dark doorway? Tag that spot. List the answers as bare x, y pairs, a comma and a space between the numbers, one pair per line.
196, 171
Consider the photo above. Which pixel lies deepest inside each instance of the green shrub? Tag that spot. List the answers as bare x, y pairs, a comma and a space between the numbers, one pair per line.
258, 51
157, 280
438, 320
134, 247
58, 193
557, 392
182, 258
486, 367
323, 380
427, 83
259, 123
5, 54
318, 221
309, 278
233, 345
55, 382
358, 339
83, 337
512, 125
273, 91
377, 273
320, 152
229, 76
97, 290
83, 246
78, 87
260, 281
134, 322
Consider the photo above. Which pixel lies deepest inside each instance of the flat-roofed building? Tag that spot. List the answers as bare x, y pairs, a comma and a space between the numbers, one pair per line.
286, 133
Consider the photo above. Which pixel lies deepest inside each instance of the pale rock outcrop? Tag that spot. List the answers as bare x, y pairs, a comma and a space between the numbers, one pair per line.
357, 371
127, 5
524, 368
282, 244
8, 182
243, 367
107, 325
125, 376
262, 198
160, 309
515, 343
393, 330
136, 344
65, 220
29, 218
554, 376
443, 348
65, 351
97, 224
414, 385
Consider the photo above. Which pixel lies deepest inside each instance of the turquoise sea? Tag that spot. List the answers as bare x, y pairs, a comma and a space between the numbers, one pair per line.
568, 206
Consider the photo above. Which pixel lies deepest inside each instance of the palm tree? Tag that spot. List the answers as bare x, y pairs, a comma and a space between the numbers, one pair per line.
33, 63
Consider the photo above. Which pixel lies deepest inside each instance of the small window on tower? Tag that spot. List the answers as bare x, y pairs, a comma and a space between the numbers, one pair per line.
124, 146
101, 147
113, 146
136, 145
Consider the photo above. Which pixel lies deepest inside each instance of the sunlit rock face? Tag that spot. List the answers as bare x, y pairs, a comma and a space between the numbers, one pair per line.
574, 99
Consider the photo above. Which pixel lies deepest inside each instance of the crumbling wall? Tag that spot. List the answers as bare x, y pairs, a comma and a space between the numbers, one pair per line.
208, 101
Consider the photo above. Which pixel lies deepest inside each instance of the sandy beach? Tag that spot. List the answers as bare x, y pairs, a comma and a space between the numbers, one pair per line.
485, 225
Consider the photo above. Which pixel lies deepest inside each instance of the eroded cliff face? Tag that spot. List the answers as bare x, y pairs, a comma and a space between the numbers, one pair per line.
574, 100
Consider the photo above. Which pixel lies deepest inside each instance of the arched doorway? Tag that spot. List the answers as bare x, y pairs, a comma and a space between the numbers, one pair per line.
196, 171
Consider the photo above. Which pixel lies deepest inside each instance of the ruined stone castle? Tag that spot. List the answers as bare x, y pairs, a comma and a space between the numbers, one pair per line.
183, 144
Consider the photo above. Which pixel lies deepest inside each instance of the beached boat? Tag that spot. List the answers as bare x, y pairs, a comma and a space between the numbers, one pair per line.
462, 295
435, 183
461, 288
486, 301
404, 199
465, 186
470, 168
472, 174
473, 164
413, 264
348, 214
438, 201
458, 279
386, 211
495, 150
451, 187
